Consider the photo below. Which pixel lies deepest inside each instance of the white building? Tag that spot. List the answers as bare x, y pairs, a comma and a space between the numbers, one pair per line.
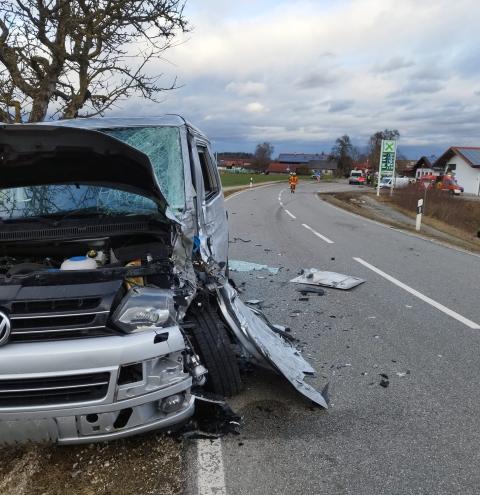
464, 162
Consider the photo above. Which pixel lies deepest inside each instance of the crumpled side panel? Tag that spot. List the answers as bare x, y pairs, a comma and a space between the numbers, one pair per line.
266, 346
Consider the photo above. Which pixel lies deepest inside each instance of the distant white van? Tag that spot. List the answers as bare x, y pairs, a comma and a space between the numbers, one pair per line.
399, 182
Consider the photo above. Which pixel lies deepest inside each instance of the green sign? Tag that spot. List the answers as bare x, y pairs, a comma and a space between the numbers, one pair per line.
388, 156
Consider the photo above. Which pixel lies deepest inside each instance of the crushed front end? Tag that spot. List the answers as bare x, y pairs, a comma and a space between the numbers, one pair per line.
94, 354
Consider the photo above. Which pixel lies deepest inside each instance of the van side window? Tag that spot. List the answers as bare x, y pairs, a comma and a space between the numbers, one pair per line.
208, 173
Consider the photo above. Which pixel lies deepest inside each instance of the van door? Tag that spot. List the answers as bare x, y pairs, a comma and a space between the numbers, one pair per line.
212, 216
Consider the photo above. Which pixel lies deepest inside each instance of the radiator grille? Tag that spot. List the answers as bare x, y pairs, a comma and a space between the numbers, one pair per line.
53, 390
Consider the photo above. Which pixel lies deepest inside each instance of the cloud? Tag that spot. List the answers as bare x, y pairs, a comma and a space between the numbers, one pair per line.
392, 64
248, 88
419, 87
430, 73
255, 107
340, 105
302, 73
316, 80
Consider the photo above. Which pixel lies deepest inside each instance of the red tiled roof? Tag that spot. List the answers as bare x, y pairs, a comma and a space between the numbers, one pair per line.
276, 167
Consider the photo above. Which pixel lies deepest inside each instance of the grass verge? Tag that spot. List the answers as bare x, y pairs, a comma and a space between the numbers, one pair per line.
452, 235
232, 180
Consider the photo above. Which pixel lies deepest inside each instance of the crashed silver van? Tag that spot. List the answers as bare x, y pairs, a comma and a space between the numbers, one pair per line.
115, 304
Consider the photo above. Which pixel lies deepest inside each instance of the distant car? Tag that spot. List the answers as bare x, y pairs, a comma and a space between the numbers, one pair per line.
357, 177
398, 182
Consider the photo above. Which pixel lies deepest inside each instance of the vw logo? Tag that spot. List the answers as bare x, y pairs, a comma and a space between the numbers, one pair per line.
5, 328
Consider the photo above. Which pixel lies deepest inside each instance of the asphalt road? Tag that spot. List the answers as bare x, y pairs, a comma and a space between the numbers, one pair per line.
421, 434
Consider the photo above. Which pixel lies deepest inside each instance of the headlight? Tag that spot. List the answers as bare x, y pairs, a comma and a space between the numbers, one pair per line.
143, 307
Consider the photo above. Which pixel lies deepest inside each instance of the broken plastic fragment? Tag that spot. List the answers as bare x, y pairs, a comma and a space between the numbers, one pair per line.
310, 289
213, 418
254, 302
313, 276
246, 266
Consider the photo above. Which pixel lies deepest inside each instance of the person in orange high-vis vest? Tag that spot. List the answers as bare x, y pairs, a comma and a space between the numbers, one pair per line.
293, 181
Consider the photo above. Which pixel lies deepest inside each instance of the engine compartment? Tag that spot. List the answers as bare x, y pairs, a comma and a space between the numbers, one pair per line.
82, 254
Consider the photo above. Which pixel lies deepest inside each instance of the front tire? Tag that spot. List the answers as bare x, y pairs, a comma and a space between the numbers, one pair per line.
211, 341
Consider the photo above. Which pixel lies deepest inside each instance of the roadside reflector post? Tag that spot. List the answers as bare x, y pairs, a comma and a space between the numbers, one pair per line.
251, 181
419, 214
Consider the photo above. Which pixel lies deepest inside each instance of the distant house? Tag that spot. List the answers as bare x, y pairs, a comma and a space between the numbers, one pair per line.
464, 162
278, 168
405, 167
235, 163
316, 162
423, 167
364, 166
300, 158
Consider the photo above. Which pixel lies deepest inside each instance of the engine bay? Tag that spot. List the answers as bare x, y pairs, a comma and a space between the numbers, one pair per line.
141, 250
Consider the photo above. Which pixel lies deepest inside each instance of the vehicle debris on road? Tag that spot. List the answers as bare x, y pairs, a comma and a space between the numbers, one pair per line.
312, 276
247, 266
310, 289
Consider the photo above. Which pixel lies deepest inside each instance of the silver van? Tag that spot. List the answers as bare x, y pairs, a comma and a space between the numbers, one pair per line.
115, 304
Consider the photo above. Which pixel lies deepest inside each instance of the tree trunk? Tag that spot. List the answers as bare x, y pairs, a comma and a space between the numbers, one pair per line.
39, 109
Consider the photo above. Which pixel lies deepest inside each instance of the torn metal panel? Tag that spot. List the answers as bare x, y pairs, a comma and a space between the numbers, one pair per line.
265, 345
334, 280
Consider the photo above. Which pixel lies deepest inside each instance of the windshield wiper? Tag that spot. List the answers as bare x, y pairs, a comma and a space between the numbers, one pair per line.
78, 213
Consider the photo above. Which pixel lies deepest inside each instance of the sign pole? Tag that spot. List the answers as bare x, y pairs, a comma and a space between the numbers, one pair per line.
379, 178
392, 185
425, 198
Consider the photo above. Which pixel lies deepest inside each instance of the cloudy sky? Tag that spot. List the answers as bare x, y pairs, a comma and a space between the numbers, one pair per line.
301, 73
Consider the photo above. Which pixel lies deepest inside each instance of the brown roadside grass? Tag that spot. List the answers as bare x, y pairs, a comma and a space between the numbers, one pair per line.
459, 213
352, 201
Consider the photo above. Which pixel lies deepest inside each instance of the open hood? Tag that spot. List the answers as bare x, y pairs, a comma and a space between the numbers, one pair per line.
33, 155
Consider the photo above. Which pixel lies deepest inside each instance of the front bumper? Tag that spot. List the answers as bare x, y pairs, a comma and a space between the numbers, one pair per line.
124, 409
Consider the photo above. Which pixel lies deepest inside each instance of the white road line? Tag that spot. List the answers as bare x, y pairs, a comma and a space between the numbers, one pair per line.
281, 204
326, 239
428, 300
288, 213
211, 473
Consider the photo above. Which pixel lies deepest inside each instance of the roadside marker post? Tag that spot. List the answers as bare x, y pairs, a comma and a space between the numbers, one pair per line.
388, 157
419, 214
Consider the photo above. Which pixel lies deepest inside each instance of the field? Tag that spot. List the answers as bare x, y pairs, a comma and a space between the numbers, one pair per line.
238, 180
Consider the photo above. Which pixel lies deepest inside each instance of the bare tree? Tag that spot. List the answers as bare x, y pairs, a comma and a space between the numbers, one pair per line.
375, 144
344, 153
263, 156
69, 56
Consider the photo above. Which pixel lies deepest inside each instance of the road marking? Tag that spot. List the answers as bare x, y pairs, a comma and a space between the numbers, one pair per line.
281, 204
428, 300
326, 239
211, 473
288, 213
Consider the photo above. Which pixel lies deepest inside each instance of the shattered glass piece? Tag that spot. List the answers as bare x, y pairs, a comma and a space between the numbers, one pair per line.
246, 266
266, 347
334, 280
